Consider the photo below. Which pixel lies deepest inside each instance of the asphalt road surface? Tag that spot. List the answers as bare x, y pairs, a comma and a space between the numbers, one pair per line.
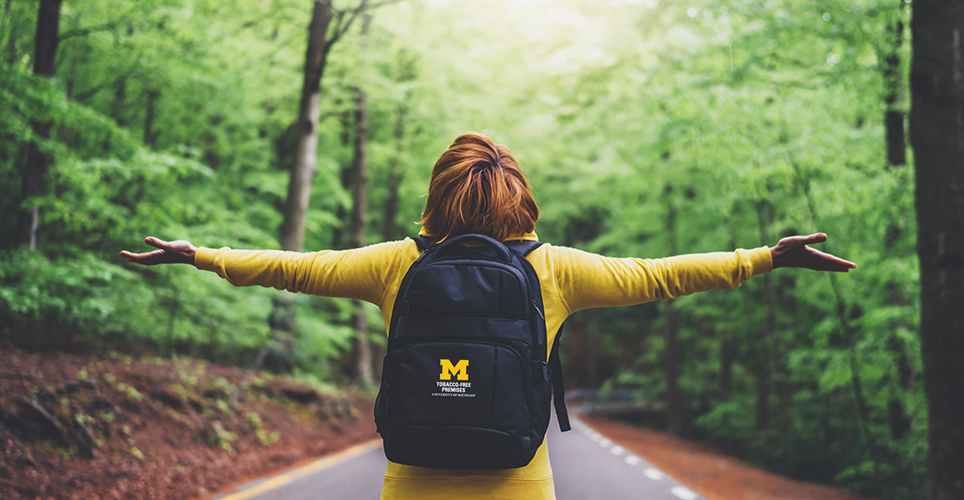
585, 465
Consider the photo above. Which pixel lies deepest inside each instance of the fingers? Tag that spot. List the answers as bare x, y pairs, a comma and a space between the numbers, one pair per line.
815, 238
798, 241
795, 251
147, 259
828, 262
156, 242
168, 252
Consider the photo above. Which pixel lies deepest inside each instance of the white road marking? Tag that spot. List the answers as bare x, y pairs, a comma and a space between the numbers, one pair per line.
683, 493
653, 474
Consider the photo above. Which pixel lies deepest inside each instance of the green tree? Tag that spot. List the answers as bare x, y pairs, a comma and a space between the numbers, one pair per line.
936, 132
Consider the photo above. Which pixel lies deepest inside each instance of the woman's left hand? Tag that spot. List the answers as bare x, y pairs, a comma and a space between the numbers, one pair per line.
173, 252
795, 252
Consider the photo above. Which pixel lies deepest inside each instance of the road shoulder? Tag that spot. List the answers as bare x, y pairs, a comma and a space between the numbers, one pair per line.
708, 472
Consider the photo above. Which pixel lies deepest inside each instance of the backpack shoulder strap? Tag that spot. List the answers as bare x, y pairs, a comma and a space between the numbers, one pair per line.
523, 247
423, 242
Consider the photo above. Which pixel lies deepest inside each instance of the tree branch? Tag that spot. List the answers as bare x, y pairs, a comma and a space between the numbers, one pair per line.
337, 19
342, 25
376, 5
91, 92
88, 30
24, 451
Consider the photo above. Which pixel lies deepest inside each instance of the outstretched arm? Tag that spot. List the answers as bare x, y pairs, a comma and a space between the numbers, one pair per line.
796, 252
360, 273
173, 252
588, 280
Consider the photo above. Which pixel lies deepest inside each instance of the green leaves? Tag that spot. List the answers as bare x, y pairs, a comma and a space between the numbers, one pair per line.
645, 127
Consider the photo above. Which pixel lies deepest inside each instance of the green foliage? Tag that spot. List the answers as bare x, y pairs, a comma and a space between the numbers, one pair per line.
747, 121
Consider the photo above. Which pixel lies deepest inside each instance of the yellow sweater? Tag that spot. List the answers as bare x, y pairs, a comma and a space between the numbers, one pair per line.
571, 280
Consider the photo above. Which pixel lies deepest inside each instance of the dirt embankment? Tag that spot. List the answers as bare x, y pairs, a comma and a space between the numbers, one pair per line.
79, 427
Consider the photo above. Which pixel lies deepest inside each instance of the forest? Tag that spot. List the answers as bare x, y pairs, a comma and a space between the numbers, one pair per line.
647, 128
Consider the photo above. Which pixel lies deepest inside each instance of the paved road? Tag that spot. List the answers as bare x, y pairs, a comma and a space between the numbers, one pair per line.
585, 465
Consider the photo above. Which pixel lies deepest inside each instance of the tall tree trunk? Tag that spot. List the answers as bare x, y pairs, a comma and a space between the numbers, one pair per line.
309, 109
6, 11
849, 336
36, 163
726, 366
303, 166
70, 80
339, 230
117, 106
937, 135
150, 136
674, 398
893, 90
282, 318
896, 155
12, 34
896, 413
120, 93
359, 215
395, 177
65, 133
47, 38
762, 353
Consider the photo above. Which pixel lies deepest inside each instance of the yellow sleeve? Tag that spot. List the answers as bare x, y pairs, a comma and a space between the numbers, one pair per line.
360, 273
588, 280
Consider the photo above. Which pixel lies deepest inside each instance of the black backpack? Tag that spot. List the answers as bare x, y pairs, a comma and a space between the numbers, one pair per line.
465, 383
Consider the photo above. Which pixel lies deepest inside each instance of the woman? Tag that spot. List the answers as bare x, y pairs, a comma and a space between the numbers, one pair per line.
477, 187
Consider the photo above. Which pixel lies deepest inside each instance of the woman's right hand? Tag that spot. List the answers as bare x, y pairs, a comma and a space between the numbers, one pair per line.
174, 252
795, 251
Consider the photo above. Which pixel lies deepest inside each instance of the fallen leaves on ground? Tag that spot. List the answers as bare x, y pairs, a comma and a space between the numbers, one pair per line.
708, 472
75, 426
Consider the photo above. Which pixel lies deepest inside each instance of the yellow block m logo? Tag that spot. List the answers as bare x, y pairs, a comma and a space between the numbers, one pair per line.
460, 369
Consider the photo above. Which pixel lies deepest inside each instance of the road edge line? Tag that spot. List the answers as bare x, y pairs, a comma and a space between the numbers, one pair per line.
294, 474
665, 474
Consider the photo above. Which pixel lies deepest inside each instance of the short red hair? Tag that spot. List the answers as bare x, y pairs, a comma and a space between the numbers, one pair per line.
477, 187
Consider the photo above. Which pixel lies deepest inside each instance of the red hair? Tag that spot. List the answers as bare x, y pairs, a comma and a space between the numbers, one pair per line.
477, 187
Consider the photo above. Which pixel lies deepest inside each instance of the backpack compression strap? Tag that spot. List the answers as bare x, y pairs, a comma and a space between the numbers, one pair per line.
558, 391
